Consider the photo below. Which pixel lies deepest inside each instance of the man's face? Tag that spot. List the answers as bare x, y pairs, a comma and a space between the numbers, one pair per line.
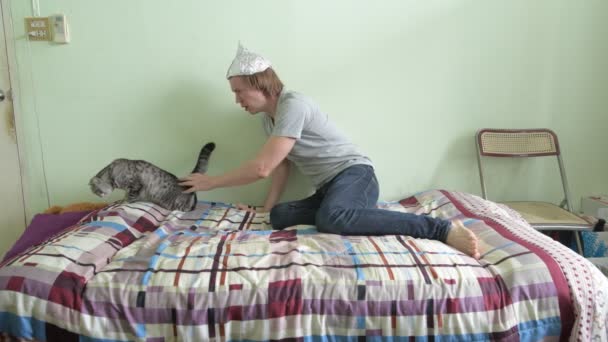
250, 99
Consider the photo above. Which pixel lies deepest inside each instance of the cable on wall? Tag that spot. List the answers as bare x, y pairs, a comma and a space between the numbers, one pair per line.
35, 8
36, 13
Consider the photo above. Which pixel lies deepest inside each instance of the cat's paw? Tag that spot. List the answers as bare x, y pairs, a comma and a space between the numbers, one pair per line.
245, 207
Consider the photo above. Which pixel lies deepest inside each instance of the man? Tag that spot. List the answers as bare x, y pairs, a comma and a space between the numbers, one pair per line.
345, 182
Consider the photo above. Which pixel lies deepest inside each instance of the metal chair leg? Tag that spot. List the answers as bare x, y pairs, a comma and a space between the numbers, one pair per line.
579, 245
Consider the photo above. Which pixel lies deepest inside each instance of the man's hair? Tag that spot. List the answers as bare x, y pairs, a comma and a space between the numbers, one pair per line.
266, 81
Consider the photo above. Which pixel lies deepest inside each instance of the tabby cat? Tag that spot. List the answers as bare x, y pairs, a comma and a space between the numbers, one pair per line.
144, 181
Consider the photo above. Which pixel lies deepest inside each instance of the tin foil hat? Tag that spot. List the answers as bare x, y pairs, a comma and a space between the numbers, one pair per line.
247, 63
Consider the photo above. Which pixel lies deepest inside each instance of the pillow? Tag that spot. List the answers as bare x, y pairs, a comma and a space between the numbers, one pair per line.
42, 227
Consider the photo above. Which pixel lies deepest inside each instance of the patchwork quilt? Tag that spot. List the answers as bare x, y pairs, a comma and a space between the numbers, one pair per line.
136, 272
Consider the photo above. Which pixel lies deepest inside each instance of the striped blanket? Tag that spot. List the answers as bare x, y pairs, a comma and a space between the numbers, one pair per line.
138, 272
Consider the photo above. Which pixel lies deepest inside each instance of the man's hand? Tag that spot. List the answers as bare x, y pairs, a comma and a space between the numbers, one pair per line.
197, 182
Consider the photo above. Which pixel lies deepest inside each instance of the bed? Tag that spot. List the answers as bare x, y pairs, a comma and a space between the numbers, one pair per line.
136, 272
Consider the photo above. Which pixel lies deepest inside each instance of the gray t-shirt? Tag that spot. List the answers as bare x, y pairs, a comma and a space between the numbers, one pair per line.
321, 151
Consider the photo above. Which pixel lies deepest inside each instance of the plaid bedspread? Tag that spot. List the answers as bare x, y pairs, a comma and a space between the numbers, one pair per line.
138, 272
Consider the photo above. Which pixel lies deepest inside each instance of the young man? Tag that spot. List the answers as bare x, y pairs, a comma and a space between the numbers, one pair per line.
346, 186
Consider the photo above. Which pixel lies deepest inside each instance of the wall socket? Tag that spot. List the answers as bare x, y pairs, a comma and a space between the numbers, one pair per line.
61, 32
38, 28
53, 28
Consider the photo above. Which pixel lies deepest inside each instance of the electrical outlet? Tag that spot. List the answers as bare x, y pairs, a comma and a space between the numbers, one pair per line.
61, 32
38, 28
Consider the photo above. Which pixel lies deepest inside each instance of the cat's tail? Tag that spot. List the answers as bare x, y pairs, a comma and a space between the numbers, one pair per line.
203, 158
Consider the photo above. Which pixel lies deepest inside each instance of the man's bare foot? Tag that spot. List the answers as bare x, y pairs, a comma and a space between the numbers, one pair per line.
463, 239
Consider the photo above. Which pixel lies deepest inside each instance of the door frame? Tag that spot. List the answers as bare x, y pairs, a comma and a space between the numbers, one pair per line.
9, 34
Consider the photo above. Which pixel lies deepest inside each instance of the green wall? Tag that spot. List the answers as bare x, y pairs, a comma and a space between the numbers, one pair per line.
409, 81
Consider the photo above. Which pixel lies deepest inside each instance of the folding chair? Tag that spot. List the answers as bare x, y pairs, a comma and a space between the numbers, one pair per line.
528, 143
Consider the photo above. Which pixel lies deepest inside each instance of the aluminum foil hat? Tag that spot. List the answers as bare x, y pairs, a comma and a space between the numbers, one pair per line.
247, 63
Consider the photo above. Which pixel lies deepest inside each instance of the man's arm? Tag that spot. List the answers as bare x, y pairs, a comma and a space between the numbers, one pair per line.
279, 180
270, 156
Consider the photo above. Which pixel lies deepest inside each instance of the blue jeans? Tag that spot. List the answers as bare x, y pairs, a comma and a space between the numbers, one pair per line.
346, 205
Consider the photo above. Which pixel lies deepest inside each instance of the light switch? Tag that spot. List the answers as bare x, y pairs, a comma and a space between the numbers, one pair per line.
38, 28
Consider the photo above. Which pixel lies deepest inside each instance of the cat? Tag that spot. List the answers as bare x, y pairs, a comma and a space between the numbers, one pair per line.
146, 182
